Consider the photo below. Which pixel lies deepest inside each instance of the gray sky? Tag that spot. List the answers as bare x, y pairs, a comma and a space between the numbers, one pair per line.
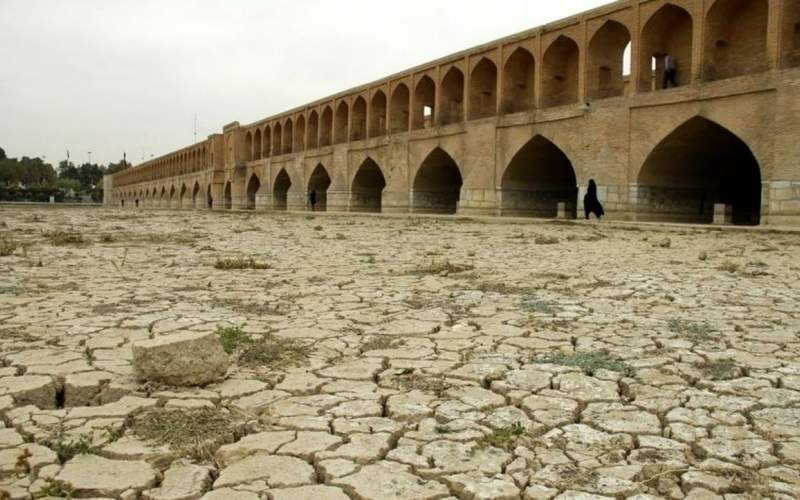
109, 76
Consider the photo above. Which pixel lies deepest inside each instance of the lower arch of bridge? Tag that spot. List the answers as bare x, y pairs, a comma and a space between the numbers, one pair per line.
698, 165
280, 190
437, 185
195, 194
209, 197
228, 196
319, 183
538, 178
367, 190
253, 185
182, 197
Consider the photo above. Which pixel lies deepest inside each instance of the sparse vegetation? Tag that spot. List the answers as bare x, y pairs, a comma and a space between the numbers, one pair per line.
505, 439
51, 489
588, 362
442, 267
381, 342
543, 239
7, 247
239, 263
232, 338
194, 433
502, 288
410, 380
728, 266
721, 369
532, 304
251, 308
63, 238
263, 350
68, 447
692, 330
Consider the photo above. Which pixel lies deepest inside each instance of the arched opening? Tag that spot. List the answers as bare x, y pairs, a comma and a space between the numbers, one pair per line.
667, 32
184, 194
538, 178
341, 123
560, 65
483, 90
326, 128
280, 190
377, 115
519, 82
399, 112
452, 101
257, 145
424, 102
172, 202
605, 71
313, 130
164, 202
277, 150
437, 185
195, 194
267, 140
300, 134
367, 189
698, 165
209, 198
248, 148
318, 184
253, 185
735, 38
358, 122
288, 134
136, 203
228, 196
790, 46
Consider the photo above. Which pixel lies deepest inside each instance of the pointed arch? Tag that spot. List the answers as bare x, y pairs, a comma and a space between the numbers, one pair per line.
312, 134
257, 144
248, 149
280, 190
668, 31
519, 82
736, 38
400, 109
195, 193
424, 103
341, 123
452, 100
377, 115
300, 134
253, 185
183, 195
483, 90
228, 196
367, 188
437, 184
326, 127
790, 31
288, 134
209, 197
698, 165
537, 179
605, 68
560, 78
318, 184
277, 138
267, 142
358, 120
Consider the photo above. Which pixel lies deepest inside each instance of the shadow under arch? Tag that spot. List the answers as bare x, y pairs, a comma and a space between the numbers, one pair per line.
537, 179
698, 165
367, 189
437, 185
319, 182
253, 185
280, 190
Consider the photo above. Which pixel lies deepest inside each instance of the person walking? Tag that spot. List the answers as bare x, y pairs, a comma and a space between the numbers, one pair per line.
312, 199
670, 71
591, 204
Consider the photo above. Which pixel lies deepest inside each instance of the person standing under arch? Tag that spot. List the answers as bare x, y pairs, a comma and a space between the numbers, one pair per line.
591, 204
312, 199
670, 72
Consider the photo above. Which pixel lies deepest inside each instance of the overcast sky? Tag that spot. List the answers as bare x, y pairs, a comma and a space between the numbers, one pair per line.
109, 76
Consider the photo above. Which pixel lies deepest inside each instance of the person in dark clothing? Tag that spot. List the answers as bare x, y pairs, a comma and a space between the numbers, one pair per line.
591, 204
312, 199
670, 72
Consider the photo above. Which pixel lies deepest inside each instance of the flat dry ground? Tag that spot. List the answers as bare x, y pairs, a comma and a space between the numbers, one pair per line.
413, 357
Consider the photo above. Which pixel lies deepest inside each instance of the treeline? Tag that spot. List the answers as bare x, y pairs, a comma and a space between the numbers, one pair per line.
32, 179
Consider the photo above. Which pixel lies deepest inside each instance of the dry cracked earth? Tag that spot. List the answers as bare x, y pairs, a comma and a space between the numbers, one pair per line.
398, 358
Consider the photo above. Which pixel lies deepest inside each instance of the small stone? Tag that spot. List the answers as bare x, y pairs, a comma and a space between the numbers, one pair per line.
90, 475
184, 359
181, 482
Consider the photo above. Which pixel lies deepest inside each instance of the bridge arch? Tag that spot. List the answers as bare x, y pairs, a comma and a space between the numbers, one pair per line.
253, 185
790, 46
452, 98
318, 183
257, 144
699, 164
195, 193
277, 133
228, 196
483, 90
605, 67
341, 123
736, 38
538, 178
377, 115
267, 142
313, 130
183, 195
437, 184
366, 191
400, 109
358, 120
172, 203
424, 103
248, 146
519, 82
209, 197
560, 77
668, 31
326, 127
288, 135
280, 190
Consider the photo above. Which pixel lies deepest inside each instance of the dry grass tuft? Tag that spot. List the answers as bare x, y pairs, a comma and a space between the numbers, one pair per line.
240, 263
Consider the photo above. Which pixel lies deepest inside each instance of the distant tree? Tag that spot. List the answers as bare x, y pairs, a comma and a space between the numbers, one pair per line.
90, 175
35, 172
113, 168
67, 170
2, 154
67, 184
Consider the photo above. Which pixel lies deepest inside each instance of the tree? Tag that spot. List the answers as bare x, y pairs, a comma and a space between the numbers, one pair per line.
2, 154
90, 174
67, 170
66, 184
113, 168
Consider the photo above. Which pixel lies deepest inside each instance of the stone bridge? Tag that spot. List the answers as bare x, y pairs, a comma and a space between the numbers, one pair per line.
518, 127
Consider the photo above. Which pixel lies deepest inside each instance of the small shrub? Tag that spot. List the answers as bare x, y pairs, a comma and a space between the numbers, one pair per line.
262, 350
380, 342
317, 228
409, 380
721, 369
69, 447
240, 263
51, 489
589, 362
505, 439
444, 266
7, 247
232, 338
107, 238
692, 329
728, 266
545, 240
534, 305
442, 429
63, 238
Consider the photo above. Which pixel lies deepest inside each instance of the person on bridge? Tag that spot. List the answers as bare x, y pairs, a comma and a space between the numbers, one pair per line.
312, 199
591, 204
670, 71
